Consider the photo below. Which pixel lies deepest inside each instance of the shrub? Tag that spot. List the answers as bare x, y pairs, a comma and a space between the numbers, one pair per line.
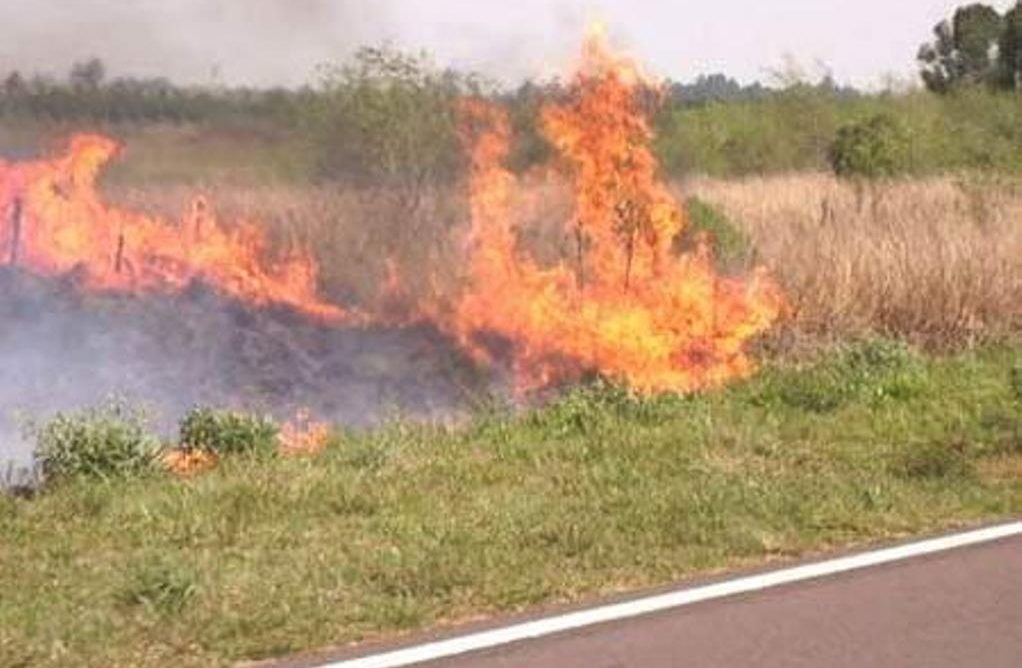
110, 440
876, 148
228, 432
730, 245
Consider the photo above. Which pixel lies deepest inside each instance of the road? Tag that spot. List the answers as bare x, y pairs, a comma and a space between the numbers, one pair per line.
958, 606
956, 609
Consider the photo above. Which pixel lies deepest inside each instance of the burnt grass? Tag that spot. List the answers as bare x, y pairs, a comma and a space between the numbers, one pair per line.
409, 524
61, 348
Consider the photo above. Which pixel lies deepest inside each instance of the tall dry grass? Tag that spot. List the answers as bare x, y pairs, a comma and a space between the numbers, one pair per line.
936, 261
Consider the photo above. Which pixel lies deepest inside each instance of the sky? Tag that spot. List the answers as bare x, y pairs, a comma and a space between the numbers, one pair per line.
281, 42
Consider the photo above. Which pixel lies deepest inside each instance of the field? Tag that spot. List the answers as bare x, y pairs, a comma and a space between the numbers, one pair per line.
411, 526
887, 402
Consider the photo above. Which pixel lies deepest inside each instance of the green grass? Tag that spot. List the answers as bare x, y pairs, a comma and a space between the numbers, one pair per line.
411, 526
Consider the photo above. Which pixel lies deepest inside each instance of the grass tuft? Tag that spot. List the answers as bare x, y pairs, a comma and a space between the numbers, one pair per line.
161, 587
107, 441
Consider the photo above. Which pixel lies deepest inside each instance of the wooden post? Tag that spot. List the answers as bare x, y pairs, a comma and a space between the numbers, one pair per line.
119, 258
15, 230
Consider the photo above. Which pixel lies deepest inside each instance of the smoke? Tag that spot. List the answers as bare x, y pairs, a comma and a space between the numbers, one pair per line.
61, 349
256, 42
281, 42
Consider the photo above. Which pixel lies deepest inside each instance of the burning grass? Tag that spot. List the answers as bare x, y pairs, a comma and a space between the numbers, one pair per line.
626, 304
405, 526
936, 262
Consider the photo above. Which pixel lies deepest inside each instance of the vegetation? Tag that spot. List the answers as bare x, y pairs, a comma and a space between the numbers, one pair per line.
977, 46
873, 149
228, 432
109, 441
406, 526
890, 403
386, 121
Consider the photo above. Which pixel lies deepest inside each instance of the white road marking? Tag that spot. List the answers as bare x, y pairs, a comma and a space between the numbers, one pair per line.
475, 642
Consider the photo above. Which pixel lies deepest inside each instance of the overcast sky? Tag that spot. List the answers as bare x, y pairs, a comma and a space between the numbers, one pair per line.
281, 41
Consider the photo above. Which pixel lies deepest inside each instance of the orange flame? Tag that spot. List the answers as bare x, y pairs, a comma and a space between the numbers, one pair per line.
624, 304
187, 463
627, 305
304, 436
54, 222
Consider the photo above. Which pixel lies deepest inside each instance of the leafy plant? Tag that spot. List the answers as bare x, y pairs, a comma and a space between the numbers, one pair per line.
875, 148
228, 432
110, 440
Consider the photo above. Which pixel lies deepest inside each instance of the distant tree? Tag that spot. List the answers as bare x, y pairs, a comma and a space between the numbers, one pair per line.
964, 51
14, 84
1010, 50
87, 74
713, 88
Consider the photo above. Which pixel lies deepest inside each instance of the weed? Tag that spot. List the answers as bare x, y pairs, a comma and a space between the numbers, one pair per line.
935, 460
875, 371
159, 586
107, 441
228, 432
1016, 382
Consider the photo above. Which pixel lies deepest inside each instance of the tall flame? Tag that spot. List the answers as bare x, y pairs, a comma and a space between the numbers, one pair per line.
624, 304
54, 222
627, 306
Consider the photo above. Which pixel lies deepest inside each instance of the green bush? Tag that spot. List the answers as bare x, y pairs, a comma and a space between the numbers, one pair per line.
228, 432
107, 441
730, 245
872, 149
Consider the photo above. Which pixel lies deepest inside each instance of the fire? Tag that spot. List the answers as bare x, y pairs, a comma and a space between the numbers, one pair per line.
626, 305
186, 463
304, 436
54, 222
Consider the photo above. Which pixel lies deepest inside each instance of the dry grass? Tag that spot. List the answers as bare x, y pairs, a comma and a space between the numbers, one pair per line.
938, 261
935, 261
355, 235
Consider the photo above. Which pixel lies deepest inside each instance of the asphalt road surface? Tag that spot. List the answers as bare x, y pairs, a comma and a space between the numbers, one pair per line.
948, 601
960, 608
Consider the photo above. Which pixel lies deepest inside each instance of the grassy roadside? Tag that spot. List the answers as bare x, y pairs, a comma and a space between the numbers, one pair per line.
410, 526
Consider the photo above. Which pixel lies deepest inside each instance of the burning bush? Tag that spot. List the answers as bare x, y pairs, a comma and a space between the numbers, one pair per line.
228, 432
110, 440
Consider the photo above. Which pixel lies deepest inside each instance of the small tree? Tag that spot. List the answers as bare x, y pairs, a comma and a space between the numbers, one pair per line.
387, 124
868, 153
387, 120
876, 148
